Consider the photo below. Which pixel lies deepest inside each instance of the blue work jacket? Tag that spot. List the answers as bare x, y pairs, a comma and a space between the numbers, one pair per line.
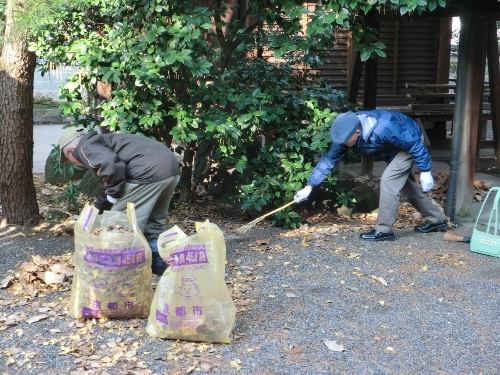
392, 133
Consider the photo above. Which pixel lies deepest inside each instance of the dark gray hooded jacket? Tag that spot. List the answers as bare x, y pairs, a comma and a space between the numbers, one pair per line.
119, 158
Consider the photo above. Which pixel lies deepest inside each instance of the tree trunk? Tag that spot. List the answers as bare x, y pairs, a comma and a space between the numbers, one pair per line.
186, 172
202, 164
17, 68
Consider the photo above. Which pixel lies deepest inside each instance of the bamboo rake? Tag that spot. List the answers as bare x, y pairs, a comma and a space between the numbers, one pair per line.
245, 228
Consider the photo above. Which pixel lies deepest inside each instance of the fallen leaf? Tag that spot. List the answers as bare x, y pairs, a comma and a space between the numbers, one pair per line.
10, 361
36, 318
131, 353
380, 280
38, 260
333, 346
263, 242
424, 268
236, 364
205, 366
381, 302
305, 241
29, 267
53, 278
60, 268
5, 283
46, 192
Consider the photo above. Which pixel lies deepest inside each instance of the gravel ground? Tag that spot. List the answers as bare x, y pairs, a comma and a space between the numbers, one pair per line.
295, 291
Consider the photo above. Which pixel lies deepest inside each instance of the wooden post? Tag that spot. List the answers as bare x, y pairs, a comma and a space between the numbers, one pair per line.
370, 95
395, 59
370, 101
472, 57
443, 70
494, 82
444, 48
355, 67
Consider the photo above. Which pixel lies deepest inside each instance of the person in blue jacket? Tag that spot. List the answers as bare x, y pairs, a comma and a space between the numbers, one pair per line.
398, 140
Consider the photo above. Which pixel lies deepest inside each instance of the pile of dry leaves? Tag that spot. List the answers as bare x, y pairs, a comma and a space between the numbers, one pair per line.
40, 276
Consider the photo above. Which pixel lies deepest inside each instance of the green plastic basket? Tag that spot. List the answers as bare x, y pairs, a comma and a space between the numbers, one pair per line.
486, 234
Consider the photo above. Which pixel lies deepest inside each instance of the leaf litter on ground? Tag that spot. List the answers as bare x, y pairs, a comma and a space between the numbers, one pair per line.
40, 287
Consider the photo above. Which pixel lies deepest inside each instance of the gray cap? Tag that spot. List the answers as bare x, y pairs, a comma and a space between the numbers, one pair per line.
343, 127
67, 136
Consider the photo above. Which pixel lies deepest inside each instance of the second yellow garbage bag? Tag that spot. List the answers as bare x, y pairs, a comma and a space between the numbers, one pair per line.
112, 266
192, 301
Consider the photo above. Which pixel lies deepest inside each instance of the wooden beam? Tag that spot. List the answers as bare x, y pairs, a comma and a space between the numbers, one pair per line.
452, 9
470, 83
423, 86
494, 83
449, 11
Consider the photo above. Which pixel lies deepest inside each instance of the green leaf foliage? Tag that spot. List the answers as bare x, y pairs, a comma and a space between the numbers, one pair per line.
189, 73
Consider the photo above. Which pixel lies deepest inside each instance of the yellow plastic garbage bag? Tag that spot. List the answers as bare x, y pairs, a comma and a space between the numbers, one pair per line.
112, 276
192, 301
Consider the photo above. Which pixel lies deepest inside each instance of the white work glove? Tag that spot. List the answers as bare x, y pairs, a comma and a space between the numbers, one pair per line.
111, 199
426, 181
302, 195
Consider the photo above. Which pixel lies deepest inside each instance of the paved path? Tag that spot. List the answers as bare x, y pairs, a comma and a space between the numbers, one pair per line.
44, 137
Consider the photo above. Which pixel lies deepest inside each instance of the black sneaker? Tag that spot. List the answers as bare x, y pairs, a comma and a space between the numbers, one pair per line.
158, 266
429, 227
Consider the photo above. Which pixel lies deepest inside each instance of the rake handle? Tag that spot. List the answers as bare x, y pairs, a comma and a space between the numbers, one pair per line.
270, 213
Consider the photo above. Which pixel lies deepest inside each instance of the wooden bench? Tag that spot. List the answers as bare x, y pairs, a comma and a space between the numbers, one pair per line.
424, 100
433, 104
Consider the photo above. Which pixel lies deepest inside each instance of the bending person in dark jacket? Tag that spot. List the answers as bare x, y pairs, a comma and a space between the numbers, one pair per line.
398, 140
134, 169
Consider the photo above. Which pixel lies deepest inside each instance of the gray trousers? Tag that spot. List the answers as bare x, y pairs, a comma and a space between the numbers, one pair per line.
151, 204
398, 180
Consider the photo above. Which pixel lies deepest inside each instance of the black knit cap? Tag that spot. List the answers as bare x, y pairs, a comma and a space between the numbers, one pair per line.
343, 127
